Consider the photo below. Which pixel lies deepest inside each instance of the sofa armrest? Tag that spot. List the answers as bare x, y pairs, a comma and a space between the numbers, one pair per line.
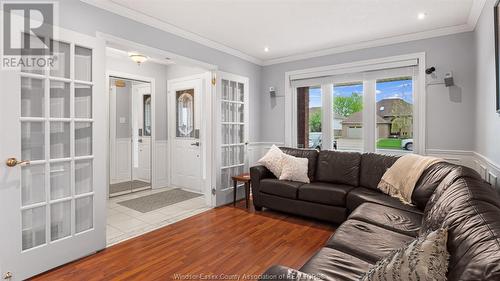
279, 272
257, 173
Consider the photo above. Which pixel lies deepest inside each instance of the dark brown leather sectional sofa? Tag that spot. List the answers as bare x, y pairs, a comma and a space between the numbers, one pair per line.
343, 190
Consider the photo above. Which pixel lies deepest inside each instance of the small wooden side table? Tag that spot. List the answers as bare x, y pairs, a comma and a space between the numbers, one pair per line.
245, 178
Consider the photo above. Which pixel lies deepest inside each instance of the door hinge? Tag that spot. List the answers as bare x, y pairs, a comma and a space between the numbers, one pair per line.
213, 191
7, 275
214, 81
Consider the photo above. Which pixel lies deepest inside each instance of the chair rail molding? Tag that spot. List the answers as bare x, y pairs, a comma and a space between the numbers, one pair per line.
488, 170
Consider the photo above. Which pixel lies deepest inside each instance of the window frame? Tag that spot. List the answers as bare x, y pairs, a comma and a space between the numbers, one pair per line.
369, 89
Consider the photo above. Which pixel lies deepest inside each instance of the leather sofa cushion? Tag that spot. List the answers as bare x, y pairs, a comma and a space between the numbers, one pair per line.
333, 265
373, 167
366, 241
310, 154
428, 182
325, 193
361, 195
338, 167
397, 220
286, 189
470, 209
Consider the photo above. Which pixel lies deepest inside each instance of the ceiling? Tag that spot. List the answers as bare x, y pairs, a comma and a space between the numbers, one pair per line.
294, 29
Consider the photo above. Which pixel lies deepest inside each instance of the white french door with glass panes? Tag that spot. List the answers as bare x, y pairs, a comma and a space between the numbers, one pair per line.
369, 111
52, 121
232, 133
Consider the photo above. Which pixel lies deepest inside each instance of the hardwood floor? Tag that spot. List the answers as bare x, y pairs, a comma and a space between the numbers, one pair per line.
225, 240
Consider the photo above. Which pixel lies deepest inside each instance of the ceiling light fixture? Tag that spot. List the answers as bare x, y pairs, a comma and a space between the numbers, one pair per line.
421, 16
266, 49
138, 58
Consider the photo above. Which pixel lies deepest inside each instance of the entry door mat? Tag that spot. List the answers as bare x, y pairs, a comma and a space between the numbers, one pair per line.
159, 200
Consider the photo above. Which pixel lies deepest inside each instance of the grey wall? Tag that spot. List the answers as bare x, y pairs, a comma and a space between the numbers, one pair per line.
450, 115
152, 70
123, 109
487, 134
84, 18
175, 71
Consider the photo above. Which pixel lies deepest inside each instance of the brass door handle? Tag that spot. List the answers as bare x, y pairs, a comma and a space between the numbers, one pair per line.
12, 162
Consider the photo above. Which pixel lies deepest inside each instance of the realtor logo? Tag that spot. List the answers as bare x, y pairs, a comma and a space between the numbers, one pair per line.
28, 30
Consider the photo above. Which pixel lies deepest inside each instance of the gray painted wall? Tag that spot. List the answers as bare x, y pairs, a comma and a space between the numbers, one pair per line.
487, 134
152, 70
450, 114
175, 71
87, 19
123, 110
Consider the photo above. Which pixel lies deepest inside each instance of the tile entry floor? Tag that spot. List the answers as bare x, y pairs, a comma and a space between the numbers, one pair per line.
124, 223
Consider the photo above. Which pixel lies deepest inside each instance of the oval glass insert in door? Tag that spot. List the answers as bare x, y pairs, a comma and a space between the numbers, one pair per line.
185, 113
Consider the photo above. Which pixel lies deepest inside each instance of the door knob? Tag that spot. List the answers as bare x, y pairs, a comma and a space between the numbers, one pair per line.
197, 143
12, 162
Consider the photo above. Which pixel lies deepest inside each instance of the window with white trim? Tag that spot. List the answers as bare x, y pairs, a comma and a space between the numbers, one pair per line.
367, 109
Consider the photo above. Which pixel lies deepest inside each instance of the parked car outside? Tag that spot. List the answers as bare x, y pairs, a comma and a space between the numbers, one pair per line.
407, 144
315, 141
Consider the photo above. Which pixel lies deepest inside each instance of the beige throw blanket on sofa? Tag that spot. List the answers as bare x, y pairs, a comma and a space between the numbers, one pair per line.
400, 179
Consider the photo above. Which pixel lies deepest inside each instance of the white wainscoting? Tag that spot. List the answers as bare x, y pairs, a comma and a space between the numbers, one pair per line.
258, 149
489, 170
160, 159
121, 157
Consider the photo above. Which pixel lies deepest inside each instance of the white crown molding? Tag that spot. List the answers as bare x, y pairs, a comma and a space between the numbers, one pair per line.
475, 13
374, 43
151, 21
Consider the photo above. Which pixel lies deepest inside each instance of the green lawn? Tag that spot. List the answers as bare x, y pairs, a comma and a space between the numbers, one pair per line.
389, 143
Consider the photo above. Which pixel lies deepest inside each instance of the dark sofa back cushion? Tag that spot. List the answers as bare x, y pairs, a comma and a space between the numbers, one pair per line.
470, 209
310, 154
373, 167
338, 167
428, 182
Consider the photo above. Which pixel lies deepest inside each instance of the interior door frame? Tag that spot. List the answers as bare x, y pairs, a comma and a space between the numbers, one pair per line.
205, 129
211, 74
111, 126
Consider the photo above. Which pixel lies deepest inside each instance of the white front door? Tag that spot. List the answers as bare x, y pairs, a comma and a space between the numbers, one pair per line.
53, 206
185, 116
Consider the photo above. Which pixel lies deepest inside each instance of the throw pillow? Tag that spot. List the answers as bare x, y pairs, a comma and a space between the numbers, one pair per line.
294, 168
272, 160
425, 258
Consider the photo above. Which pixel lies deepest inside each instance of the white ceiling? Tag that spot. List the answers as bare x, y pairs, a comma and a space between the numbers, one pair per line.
294, 29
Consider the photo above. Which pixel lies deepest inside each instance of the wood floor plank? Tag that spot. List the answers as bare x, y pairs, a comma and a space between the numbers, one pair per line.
226, 240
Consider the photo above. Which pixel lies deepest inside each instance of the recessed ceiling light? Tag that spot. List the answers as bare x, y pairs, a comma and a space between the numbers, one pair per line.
421, 16
266, 49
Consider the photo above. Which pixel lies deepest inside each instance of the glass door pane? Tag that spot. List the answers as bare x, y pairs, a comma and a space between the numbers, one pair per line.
347, 122
394, 109
233, 130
